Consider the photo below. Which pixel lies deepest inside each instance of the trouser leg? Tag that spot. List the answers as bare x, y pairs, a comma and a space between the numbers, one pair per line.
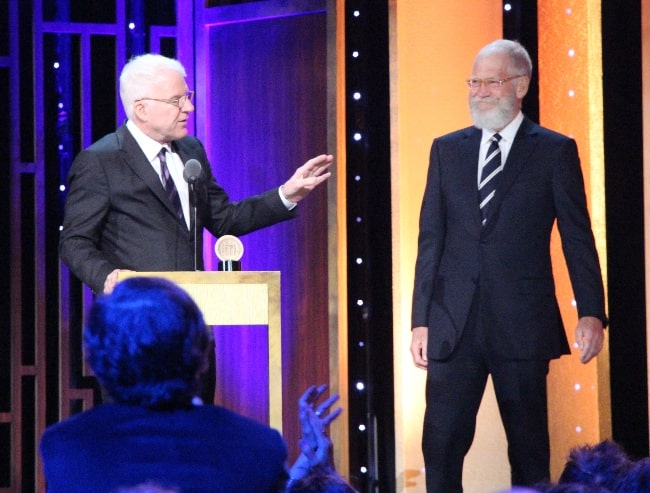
453, 398
454, 391
520, 389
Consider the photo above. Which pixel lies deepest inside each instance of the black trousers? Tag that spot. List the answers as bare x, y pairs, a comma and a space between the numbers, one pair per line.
454, 390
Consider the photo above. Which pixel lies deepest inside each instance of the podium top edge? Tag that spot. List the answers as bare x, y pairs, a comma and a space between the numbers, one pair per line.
209, 277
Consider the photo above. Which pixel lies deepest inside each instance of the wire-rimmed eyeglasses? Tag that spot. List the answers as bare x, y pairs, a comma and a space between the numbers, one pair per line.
179, 102
475, 83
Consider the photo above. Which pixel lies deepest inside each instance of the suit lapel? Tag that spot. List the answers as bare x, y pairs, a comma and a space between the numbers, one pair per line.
468, 150
138, 162
180, 150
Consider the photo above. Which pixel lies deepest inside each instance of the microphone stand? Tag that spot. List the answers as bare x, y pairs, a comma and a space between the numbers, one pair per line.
192, 173
193, 227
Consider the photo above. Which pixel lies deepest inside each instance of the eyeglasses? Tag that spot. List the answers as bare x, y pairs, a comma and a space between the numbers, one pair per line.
179, 102
475, 83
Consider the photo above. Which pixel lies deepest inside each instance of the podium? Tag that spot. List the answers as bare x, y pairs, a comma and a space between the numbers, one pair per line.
239, 298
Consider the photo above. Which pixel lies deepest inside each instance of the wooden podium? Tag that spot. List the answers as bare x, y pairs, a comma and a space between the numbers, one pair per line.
239, 298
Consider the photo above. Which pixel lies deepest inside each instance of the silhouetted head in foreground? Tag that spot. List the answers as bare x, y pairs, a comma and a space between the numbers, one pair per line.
603, 464
147, 343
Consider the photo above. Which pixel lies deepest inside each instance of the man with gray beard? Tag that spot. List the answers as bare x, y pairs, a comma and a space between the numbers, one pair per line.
484, 296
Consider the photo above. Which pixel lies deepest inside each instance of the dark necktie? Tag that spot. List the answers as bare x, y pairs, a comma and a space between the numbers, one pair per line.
491, 169
168, 184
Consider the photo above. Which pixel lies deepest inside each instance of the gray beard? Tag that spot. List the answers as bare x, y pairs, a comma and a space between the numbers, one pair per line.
495, 119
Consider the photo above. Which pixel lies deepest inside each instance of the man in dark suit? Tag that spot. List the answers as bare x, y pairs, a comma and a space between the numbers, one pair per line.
484, 297
128, 205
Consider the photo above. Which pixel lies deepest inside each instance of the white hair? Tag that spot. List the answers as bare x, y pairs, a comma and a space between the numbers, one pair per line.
142, 72
520, 61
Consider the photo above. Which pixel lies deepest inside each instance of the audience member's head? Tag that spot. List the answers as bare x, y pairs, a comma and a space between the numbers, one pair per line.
523, 489
576, 488
602, 464
637, 479
147, 343
320, 480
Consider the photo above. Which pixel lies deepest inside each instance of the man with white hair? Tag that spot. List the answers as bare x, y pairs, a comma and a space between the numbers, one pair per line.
128, 203
484, 296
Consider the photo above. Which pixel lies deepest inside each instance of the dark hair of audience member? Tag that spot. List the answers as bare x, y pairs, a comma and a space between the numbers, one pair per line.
158, 365
602, 464
526, 489
575, 488
321, 479
637, 479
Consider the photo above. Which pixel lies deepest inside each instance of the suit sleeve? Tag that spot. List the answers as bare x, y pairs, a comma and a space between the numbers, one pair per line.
87, 205
430, 240
576, 234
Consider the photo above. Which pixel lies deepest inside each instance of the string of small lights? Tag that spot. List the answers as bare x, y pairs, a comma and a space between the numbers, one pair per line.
61, 68
520, 24
369, 252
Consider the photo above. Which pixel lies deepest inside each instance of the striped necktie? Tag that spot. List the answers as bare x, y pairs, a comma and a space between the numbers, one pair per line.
168, 184
489, 172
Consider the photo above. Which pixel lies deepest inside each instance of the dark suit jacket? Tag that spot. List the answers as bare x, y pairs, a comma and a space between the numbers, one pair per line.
508, 260
206, 449
117, 215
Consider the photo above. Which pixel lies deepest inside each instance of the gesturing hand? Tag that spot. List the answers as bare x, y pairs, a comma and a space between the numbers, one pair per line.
315, 445
307, 177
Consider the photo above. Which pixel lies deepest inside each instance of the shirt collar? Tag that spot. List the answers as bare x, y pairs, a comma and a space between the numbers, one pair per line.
508, 133
149, 146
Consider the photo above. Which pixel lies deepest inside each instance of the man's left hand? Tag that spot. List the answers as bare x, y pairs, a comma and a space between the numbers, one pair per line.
589, 337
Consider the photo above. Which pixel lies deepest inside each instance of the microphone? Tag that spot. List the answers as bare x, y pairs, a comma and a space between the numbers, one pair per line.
192, 171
